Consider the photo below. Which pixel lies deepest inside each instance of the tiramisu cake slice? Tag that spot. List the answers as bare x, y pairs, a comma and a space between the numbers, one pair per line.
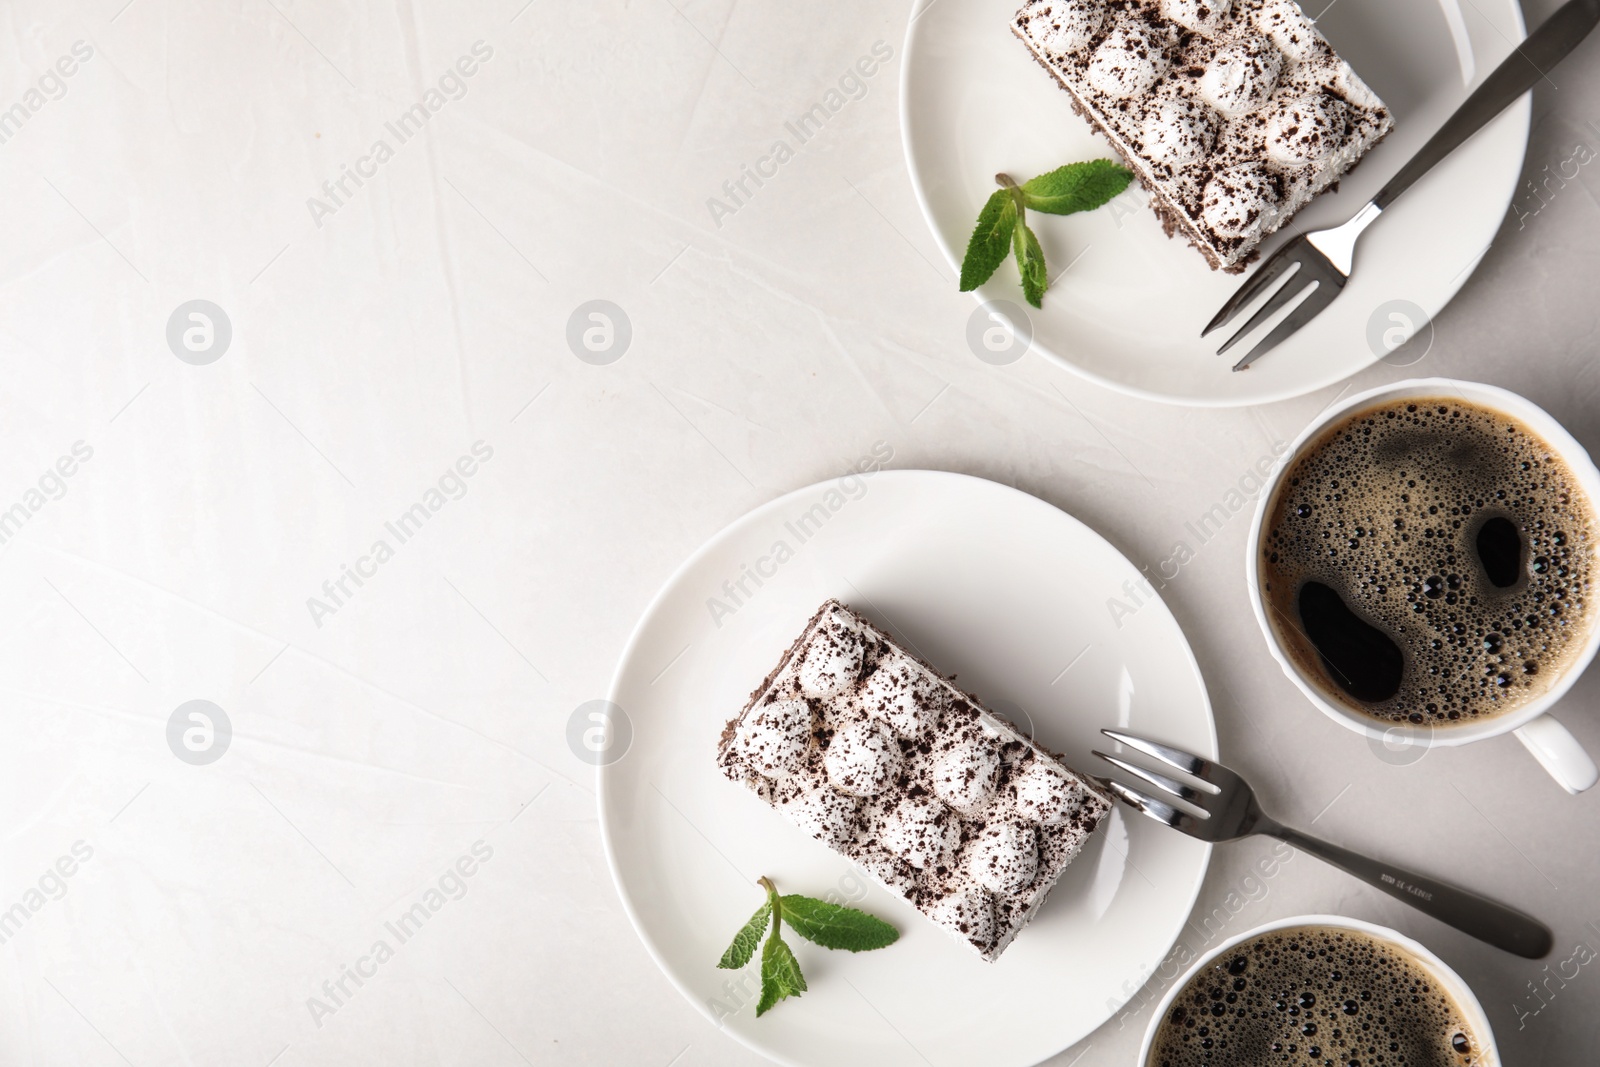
872, 752
1233, 113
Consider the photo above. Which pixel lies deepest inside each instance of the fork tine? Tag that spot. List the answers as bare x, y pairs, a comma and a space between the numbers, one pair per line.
1160, 781
1294, 287
1124, 794
1265, 274
1172, 757
1155, 809
1308, 309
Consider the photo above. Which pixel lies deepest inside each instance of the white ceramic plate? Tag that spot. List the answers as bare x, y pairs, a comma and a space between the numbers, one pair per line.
991, 584
1128, 313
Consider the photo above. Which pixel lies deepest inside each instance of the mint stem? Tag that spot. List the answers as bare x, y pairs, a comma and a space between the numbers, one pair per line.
777, 903
1004, 181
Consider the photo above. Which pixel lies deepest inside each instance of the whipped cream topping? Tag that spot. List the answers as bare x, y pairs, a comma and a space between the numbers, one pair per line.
1129, 61
900, 693
970, 911
1288, 27
1241, 75
1202, 16
920, 831
1044, 794
1306, 79
1004, 857
832, 662
1354, 91
1177, 131
826, 814
1308, 130
964, 777
1240, 202
863, 758
775, 737
1071, 24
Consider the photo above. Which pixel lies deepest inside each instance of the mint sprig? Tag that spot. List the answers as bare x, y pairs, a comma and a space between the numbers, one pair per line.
828, 925
1004, 220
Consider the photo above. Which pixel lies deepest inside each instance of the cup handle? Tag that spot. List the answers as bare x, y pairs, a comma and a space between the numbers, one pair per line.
1559, 753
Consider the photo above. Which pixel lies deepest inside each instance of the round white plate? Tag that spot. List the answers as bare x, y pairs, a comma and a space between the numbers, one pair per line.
986, 582
1128, 313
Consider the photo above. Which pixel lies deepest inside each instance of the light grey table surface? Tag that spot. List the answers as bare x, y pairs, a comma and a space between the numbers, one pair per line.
376, 337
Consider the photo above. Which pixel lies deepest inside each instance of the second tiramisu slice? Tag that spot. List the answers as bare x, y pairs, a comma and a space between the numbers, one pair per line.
1233, 113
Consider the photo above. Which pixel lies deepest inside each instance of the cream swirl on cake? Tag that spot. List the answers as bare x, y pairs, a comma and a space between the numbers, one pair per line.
899, 693
919, 830
776, 737
833, 661
1240, 202
1177, 131
1041, 796
1308, 130
1005, 856
1241, 75
1199, 16
1073, 24
1354, 91
1286, 25
1306, 79
863, 758
826, 814
964, 777
1129, 61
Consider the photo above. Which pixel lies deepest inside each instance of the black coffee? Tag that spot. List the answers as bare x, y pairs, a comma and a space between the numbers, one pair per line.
1429, 561
1314, 996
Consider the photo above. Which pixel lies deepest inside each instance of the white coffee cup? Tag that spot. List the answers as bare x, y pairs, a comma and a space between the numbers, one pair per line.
1450, 982
1551, 744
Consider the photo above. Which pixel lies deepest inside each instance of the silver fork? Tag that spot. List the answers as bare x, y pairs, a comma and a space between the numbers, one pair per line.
1229, 811
1323, 259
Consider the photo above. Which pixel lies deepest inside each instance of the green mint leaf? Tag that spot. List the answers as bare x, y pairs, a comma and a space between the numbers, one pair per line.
780, 973
829, 925
986, 249
1030, 262
1076, 187
835, 926
746, 940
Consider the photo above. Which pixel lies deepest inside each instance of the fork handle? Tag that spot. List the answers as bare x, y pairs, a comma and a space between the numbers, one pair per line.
1485, 920
1519, 72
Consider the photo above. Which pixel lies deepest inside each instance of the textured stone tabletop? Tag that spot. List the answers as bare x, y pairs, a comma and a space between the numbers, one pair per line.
367, 504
